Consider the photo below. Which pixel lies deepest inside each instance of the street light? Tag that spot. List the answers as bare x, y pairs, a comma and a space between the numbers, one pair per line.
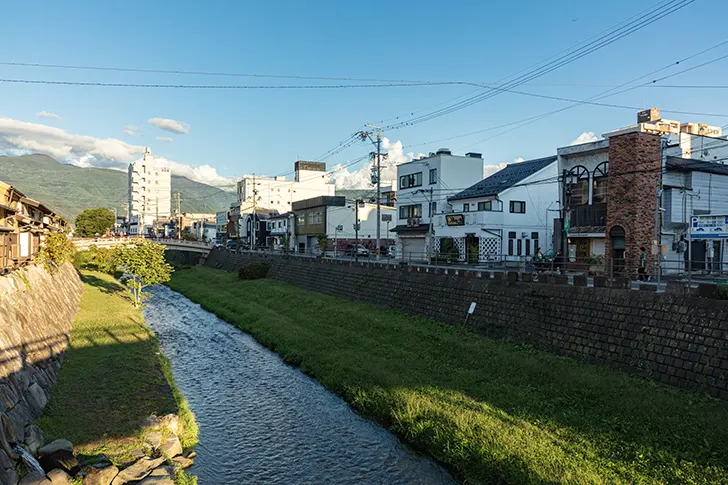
336, 234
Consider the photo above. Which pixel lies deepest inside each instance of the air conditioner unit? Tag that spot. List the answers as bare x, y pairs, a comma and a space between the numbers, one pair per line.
413, 222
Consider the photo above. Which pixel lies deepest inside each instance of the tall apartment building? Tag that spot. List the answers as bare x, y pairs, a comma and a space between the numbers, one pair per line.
150, 191
278, 194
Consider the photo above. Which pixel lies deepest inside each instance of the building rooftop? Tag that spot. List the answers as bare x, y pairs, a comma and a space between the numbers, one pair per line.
689, 164
504, 179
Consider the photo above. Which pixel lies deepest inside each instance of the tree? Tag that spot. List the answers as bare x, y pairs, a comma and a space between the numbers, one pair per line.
187, 235
56, 250
94, 221
323, 241
144, 264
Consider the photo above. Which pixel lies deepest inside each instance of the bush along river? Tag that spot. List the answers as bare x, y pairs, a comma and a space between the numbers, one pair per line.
263, 421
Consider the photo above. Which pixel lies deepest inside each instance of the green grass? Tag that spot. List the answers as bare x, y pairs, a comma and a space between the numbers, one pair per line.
113, 376
492, 411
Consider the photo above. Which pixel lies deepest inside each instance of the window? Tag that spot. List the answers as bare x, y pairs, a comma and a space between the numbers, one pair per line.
528, 247
433, 176
485, 206
301, 220
518, 207
577, 186
599, 185
433, 208
534, 237
511, 238
411, 180
466, 207
520, 246
410, 211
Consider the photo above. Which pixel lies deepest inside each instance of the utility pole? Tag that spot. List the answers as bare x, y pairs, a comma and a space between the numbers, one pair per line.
356, 230
178, 196
378, 144
656, 244
253, 245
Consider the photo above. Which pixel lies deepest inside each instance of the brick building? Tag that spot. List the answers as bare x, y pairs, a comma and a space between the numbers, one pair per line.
611, 188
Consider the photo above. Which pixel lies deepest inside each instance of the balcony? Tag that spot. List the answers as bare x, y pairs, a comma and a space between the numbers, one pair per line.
589, 215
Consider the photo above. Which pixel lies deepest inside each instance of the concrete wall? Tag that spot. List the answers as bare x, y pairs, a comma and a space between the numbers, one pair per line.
672, 339
36, 312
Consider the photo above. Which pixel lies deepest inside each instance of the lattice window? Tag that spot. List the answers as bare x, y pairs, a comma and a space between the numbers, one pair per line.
460, 244
489, 248
436, 245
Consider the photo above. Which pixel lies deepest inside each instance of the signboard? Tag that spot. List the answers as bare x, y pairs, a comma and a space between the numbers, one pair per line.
455, 220
709, 227
386, 217
567, 222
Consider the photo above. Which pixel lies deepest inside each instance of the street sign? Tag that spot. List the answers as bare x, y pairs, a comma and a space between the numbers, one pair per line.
567, 222
386, 217
709, 227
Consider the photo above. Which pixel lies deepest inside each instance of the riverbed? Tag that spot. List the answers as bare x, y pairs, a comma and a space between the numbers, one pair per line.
263, 421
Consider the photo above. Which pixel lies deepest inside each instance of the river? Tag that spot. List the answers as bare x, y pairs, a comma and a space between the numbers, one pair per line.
263, 421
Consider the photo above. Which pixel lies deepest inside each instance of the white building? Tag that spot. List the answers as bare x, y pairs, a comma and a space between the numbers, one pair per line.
424, 186
336, 217
278, 193
506, 216
150, 191
281, 231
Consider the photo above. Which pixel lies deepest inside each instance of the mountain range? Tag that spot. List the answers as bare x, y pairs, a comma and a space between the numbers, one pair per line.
68, 189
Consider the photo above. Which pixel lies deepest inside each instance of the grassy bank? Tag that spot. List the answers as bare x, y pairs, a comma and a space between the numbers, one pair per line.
113, 376
494, 412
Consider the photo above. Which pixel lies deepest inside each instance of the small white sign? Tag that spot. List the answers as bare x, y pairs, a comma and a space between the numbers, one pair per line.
471, 309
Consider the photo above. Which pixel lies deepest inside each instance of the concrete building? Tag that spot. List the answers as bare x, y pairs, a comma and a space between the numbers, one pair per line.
281, 232
505, 217
221, 225
278, 194
150, 192
639, 187
336, 218
424, 186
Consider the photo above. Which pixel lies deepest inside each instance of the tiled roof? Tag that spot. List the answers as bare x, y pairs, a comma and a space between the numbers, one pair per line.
504, 179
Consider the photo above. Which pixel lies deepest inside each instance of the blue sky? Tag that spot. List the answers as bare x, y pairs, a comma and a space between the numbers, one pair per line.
264, 131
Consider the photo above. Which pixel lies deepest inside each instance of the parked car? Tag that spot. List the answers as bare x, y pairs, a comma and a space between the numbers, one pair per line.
232, 245
357, 250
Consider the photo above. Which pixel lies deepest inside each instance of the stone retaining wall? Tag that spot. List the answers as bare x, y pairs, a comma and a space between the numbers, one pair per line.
36, 312
674, 339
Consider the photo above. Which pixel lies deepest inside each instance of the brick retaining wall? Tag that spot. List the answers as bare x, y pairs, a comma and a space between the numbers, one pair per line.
678, 340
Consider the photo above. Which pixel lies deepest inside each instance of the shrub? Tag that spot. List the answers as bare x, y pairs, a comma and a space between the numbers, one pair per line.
83, 259
56, 250
721, 292
254, 271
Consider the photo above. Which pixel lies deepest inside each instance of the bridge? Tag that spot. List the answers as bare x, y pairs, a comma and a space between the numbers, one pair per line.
176, 244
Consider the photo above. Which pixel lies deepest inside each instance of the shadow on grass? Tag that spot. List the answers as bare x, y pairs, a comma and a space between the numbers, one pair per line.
106, 286
100, 399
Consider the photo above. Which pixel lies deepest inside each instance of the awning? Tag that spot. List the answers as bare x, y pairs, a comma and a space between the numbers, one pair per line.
405, 228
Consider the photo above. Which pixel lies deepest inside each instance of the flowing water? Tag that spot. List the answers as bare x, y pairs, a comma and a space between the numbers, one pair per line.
262, 421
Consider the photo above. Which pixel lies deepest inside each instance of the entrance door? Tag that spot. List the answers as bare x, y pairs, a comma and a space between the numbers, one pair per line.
472, 248
619, 243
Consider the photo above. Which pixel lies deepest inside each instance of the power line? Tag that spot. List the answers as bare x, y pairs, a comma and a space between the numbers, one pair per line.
615, 34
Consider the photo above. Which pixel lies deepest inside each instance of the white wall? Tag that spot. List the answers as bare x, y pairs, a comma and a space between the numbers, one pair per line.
538, 198
345, 217
150, 189
279, 193
455, 173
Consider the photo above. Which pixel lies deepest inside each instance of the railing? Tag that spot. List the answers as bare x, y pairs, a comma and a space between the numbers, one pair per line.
589, 215
630, 269
85, 243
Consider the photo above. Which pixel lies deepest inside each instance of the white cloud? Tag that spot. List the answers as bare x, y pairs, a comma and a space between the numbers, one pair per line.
132, 130
489, 170
47, 114
174, 126
346, 179
165, 139
586, 137
20, 137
